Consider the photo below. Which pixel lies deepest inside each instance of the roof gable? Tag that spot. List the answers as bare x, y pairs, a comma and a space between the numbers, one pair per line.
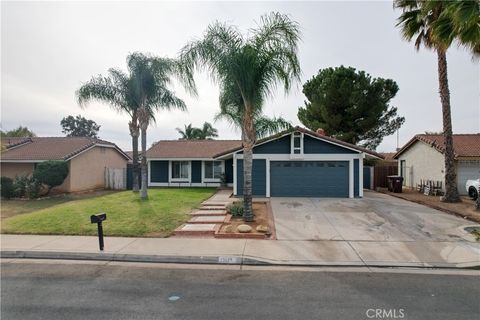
464, 145
53, 148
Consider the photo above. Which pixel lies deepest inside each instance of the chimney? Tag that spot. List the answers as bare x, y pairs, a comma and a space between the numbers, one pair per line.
320, 131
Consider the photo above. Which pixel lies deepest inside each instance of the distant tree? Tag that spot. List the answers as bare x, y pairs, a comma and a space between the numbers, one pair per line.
351, 106
207, 132
51, 173
79, 127
18, 132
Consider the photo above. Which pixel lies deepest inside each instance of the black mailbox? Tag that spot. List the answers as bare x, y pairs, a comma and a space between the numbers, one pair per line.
96, 218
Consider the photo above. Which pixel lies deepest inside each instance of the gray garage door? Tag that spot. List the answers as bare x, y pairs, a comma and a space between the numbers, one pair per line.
309, 178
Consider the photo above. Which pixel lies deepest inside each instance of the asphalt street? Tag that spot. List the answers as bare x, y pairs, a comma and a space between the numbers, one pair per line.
95, 291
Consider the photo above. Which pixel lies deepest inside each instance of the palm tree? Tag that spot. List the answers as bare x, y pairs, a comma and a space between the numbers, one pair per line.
264, 126
116, 90
248, 69
436, 25
151, 78
207, 132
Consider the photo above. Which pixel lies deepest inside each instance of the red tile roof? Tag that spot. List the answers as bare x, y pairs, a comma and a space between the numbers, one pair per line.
464, 145
191, 148
51, 148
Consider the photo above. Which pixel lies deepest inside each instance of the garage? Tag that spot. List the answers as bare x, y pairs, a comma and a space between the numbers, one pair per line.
467, 170
309, 178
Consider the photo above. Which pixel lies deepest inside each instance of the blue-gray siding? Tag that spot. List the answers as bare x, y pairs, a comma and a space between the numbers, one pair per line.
312, 145
259, 187
356, 177
278, 146
309, 179
366, 177
229, 170
196, 171
159, 171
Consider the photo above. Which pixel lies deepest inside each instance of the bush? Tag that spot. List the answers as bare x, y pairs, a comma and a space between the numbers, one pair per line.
25, 186
236, 209
6, 187
51, 173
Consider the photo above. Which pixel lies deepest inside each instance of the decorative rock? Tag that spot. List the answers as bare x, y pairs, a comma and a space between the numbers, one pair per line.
262, 228
229, 229
243, 228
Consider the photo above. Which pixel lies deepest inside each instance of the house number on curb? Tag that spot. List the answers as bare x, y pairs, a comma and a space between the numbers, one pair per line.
229, 260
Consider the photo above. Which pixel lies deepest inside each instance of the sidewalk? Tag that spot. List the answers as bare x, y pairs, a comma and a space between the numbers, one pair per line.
460, 254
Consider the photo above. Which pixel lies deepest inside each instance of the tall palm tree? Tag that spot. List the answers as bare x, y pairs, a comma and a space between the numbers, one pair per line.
151, 78
248, 69
207, 132
436, 25
116, 90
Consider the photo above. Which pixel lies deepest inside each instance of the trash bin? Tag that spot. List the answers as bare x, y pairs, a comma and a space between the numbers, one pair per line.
395, 184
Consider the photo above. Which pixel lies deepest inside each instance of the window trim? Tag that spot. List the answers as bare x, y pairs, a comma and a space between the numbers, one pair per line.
294, 135
205, 179
188, 179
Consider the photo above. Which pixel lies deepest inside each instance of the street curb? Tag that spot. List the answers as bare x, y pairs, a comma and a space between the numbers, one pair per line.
219, 260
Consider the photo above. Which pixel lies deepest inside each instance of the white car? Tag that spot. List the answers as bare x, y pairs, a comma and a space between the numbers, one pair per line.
472, 188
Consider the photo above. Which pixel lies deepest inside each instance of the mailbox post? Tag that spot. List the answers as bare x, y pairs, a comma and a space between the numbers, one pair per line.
98, 219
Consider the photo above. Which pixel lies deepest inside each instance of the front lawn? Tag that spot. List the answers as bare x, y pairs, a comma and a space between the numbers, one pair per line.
127, 215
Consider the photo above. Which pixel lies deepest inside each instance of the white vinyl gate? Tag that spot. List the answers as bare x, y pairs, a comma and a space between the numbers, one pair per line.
116, 178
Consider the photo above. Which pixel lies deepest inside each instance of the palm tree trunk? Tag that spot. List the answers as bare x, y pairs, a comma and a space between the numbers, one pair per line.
248, 137
143, 119
135, 132
451, 192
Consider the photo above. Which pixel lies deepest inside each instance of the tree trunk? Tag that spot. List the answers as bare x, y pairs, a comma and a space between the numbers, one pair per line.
143, 119
135, 132
451, 192
248, 137
477, 203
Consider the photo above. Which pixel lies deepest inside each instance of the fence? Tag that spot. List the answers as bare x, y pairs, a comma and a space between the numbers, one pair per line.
116, 178
381, 173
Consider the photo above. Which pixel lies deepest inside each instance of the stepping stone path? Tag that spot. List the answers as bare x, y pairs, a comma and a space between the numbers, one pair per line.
209, 217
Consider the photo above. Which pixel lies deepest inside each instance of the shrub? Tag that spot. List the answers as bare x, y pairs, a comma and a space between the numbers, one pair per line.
51, 173
6, 187
236, 209
26, 186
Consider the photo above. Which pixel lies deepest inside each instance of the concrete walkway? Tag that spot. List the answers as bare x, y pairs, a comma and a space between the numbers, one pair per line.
441, 254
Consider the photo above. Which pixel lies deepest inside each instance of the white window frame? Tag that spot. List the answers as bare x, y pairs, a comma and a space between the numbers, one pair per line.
294, 135
172, 179
205, 179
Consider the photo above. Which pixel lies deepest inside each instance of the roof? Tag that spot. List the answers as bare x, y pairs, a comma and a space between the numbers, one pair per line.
311, 133
191, 148
464, 145
50, 148
388, 156
9, 142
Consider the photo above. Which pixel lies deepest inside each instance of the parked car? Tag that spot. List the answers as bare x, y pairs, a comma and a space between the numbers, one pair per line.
472, 188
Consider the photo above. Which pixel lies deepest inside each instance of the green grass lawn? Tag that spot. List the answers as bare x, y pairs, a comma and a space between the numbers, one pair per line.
127, 215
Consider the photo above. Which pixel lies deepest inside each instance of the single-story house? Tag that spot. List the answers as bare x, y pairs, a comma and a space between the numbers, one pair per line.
422, 158
87, 159
294, 163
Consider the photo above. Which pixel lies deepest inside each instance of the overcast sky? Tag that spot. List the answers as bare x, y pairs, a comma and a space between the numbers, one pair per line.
49, 48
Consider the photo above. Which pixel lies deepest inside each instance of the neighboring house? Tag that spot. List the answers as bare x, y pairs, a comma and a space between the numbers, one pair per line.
293, 163
422, 159
87, 159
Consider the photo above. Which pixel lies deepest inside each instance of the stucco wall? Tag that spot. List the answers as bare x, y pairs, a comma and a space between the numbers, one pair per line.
13, 169
422, 163
87, 171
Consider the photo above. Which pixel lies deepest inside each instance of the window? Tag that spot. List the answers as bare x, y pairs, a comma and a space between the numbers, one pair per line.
212, 170
180, 170
297, 143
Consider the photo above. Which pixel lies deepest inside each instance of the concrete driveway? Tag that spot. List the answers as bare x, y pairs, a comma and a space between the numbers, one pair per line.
376, 217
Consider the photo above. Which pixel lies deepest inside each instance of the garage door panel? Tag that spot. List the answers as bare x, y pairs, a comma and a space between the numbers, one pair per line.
309, 179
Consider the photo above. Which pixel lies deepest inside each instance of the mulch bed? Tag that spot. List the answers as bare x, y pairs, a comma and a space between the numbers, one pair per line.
263, 216
464, 209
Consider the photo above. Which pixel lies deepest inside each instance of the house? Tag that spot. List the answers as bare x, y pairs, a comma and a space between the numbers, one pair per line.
87, 159
422, 159
294, 163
